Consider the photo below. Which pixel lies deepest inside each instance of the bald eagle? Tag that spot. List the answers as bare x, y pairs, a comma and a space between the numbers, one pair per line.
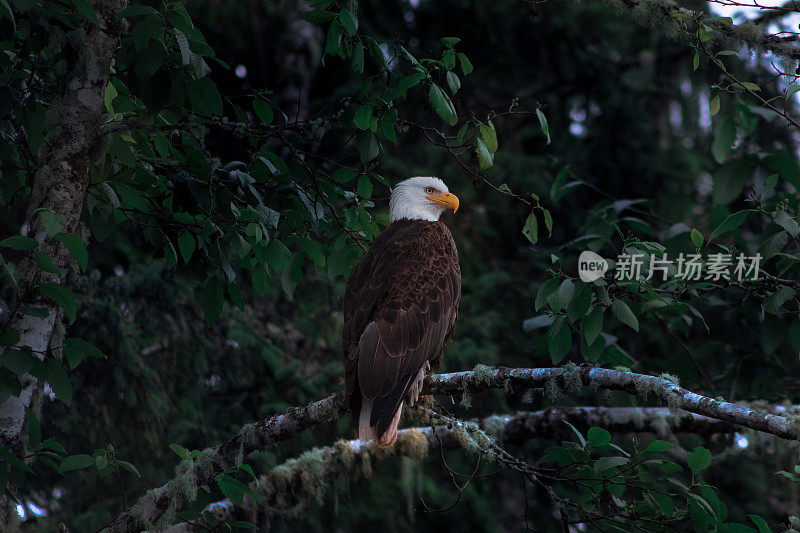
400, 306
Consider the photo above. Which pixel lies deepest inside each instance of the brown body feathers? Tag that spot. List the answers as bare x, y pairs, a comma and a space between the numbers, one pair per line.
400, 307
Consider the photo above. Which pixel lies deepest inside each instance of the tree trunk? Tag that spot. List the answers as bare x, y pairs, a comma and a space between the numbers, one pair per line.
72, 147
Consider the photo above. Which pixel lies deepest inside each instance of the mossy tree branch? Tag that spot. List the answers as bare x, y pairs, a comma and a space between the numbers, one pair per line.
753, 35
289, 487
157, 507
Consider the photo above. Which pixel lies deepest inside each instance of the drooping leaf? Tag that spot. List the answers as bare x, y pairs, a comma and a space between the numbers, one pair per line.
531, 228
63, 297
19, 242
729, 224
442, 104
624, 314
348, 21
76, 462
75, 245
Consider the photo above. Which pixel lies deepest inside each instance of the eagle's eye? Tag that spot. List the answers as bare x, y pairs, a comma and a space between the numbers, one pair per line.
429, 190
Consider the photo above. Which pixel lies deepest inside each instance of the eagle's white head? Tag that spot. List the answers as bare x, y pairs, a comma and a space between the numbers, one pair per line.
421, 198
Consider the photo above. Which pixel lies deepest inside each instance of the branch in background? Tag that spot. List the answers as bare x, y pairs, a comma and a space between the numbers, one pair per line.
749, 33
157, 507
289, 487
70, 150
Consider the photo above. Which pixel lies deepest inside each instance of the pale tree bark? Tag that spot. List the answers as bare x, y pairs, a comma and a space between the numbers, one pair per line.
72, 147
157, 508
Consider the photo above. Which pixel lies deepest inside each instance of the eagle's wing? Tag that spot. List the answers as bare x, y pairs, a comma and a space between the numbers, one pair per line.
401, 304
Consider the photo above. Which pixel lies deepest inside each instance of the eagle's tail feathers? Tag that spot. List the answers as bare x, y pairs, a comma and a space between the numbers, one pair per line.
367, 432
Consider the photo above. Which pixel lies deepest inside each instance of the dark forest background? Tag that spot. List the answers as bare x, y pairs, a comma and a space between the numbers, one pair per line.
631, 158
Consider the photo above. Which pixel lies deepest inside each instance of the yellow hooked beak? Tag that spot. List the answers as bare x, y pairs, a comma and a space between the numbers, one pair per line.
447, 200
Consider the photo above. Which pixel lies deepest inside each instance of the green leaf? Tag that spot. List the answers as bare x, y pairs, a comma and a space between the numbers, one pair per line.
348, 21
772, 180
561, 298
724, 135
442, 104
598, 437
364, 186
212, 299
264, 111
343, 175
52, 444
45, 263
580, 303
699, 459
774, 244
581, 439
548, 221
128, 466
713, 106
363, 117
466, 66
7, 12
531, 228
592, 325
19, 242
367, 145
787, 222
186, 245
182, 452
314, 251
485, 157
74, 244
489, 136
624, 314
729, 224
543, 124
659, 446
357, 59
559, 340
76, 462
607, 463
76, 349
697, 238
63, 297
545, 290
450, 42
234, 489
760, 523
665, 504
53, 223
204, 97
59, 381
333, 41
452, 81
777, 299
86, 9
388, 125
